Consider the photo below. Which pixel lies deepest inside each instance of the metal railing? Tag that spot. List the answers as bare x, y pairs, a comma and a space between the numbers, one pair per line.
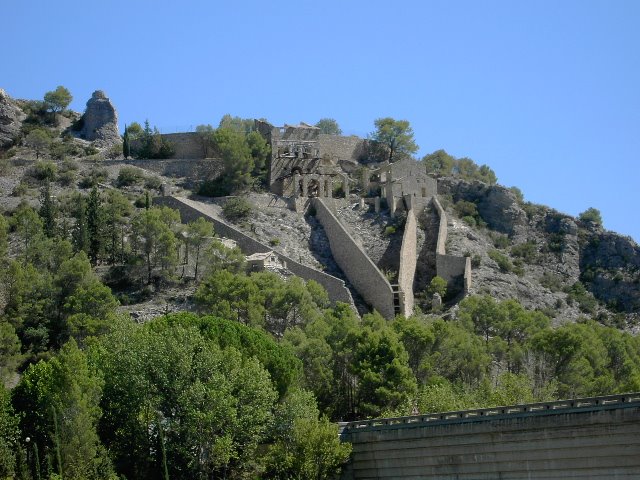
480, 414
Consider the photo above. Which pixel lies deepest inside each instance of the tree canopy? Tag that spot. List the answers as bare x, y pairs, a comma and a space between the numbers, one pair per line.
396, 136
57, 100
329, 126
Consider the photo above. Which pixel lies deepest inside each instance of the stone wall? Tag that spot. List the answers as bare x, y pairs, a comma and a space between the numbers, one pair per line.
579, 439
408, 262
192, 169
442, 228
338, 147
355, 263
185, 145
190, 210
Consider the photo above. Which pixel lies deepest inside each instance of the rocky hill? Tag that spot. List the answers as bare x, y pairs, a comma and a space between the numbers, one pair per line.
547, 260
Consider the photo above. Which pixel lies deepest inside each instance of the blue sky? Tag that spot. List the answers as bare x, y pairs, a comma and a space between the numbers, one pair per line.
547, 93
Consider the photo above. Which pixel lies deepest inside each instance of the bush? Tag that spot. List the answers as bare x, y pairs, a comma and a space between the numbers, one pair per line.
591, 215
527, 251
20, 189
274, 242
5, 166
114, 151
67, 178
91, 150
390, 230
128, 176
437, 285
60, 150
214, 188
237, 208
93, 178
152, 183
503, 262
551, 281
500, 241
578, 293
44, 170
465, 209
469, 221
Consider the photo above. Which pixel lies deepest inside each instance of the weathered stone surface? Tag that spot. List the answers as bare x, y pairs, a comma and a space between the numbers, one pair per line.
101, 120
10, 119
497, 205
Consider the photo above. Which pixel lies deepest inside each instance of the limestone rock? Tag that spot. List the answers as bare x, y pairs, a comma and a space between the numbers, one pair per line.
10, 119
101, 120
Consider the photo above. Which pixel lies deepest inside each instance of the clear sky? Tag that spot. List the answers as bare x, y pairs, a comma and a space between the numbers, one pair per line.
547, 93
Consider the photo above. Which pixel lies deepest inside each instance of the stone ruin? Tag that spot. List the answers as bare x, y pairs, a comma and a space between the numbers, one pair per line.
100, 121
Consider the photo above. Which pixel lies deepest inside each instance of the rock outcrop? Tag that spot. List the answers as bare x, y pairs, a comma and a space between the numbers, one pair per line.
101, 120
10, 119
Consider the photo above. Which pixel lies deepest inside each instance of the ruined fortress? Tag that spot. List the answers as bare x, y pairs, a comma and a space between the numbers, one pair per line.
318, 172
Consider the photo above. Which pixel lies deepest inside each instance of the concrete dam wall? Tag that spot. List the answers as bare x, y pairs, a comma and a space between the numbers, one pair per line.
595, 438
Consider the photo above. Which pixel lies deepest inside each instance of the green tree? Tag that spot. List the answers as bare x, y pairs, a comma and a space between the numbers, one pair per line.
238, 164
9, 436
47, 211
80, 233
57, 100
39, 140
9, 351
117, 209
396, 136
198, 233
59, 400
591, 215
206, 138
237, 124
439, 163
126, 145
329, 126
154, 240
29, 229
95, 225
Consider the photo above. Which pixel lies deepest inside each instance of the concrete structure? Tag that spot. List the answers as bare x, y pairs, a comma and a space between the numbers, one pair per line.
191, 210
365, 276
258, 262
304, 162
408, 262
405, 184
593, 438
454, 269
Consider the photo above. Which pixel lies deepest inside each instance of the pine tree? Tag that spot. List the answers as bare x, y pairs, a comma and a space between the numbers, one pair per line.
47, 211
95, 225
80, 232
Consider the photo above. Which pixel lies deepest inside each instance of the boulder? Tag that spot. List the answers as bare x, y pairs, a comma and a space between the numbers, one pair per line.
11, 117
101, 120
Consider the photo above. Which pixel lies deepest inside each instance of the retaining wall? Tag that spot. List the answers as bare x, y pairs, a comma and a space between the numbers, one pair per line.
355, 263
338, 147
408, 262
190, 210
596, 438
193, 169
185, 145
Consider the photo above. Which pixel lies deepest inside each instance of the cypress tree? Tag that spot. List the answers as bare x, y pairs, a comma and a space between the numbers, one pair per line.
94, 225
126, 148
47, 211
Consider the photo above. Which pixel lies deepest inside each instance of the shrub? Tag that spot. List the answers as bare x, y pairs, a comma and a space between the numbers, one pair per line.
551, 281
556, 242
152, 183
527, 251
237, 208
476, 261
93, 177
591, 215
390, 230
499, 240
274, 242
469, 220
503, 262
128, 176
437, 285
20, 189
44, 170
90, 150
466, 209
578, 293
5, 166
67, 178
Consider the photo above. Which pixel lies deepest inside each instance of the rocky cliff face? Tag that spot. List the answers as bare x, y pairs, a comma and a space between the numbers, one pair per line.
11, 117
101, 120
543, 257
